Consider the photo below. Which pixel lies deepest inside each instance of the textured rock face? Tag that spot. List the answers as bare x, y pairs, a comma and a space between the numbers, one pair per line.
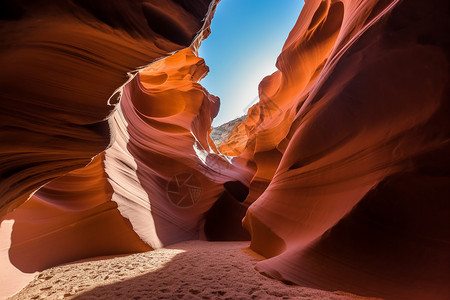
223, 132
162, 168
350, 143
343, 165
61, 62
150, 189
69, 219
63, 65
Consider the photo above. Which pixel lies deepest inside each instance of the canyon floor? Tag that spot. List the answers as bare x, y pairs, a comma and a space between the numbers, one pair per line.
188, 270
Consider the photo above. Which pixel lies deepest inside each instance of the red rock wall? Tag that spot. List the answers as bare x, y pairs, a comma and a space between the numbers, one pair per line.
350, 143
345, 158
65, 63
162, 169
61, 62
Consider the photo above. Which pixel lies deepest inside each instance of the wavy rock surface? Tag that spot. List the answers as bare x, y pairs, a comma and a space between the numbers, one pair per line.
163, 171
61, 65
64, 65
153, 187
350, 143
344, 161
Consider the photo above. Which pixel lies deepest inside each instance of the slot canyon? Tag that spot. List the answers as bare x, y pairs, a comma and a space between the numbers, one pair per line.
335, 185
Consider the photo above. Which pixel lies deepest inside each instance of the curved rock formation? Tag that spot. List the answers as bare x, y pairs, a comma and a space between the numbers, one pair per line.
163, 171
161, 190
151, 188
62, 66
343, 164
69, 219
350, 142
74, 56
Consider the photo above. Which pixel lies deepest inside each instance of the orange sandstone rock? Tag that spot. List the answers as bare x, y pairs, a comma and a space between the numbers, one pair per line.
162, 168
350, 142
343, 164
63, 67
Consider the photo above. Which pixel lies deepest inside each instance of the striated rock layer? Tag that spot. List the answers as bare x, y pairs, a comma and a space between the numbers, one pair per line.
350, 147
65, 63
151, 188
163, 171
343, 164
62, 62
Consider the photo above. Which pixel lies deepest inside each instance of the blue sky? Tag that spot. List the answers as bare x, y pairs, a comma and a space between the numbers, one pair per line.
246, 39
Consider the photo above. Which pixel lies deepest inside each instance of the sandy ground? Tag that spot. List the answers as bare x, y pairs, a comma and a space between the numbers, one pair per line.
188, 270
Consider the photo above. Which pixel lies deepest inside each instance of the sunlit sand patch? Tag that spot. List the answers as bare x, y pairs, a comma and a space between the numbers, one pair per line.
188, 270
